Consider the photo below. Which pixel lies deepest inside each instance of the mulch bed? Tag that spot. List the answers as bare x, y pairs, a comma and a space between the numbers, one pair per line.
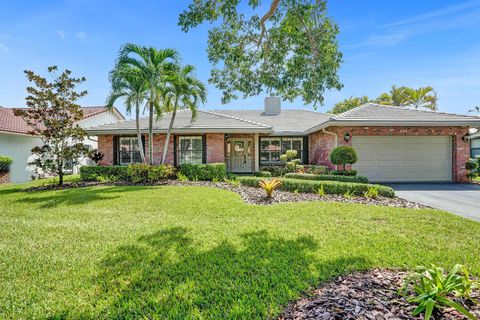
251, 195
371, 295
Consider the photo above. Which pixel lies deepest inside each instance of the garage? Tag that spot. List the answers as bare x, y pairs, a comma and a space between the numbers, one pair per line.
404, 158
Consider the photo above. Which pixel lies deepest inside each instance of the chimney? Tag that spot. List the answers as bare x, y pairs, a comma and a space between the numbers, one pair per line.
273, 105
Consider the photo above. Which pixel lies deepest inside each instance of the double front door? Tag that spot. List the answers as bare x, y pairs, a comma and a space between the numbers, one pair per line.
239, 155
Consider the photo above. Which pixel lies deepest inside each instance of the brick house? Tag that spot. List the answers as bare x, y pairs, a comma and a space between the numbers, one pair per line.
393, 143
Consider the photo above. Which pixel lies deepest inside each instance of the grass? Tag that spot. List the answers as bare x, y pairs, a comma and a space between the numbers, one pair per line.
199, 253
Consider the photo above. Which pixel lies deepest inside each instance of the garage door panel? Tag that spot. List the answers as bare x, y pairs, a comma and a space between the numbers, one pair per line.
406, 158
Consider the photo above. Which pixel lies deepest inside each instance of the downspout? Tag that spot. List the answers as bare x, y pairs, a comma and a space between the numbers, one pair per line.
336, 139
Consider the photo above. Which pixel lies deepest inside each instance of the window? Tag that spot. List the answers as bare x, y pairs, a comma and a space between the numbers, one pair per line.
190, 150
128, 150
475, 148
272, 147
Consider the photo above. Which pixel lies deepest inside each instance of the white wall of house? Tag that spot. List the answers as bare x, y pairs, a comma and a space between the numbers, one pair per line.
18, 147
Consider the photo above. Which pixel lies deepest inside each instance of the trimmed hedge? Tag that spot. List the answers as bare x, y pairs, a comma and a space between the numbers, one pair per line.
330, 187
344, 172
264, 174
93, 173
207, 171
5, 163
144, 173
328, 177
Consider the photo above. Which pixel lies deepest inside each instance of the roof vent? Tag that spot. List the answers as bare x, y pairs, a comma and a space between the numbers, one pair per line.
273, 105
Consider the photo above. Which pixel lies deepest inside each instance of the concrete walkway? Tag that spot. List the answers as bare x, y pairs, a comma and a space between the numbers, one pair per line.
457, 198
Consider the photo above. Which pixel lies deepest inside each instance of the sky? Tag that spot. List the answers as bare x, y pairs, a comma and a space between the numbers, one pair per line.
409, 42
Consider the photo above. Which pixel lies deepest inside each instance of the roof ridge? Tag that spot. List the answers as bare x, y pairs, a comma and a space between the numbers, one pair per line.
420, 110
239, 119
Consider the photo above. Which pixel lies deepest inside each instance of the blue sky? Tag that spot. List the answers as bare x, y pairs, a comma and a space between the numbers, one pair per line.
409, 42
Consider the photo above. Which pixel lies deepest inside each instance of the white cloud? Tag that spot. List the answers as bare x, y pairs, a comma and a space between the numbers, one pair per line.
82, 36
61, 34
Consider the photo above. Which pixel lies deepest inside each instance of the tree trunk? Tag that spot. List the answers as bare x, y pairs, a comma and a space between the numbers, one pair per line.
169, 132
139, 135
150, 133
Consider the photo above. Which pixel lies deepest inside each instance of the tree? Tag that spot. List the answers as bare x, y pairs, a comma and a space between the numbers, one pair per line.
52, 114
290, 48
349, 104
183, 91
153, 66
343, 155
423, 97
128, 84
475, 109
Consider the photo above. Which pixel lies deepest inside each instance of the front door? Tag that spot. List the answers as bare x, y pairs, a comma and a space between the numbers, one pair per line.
239, 155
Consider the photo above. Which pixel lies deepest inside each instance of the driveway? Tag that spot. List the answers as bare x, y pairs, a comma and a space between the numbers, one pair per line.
460, 199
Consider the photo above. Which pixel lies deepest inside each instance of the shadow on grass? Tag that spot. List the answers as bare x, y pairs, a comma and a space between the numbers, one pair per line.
75, 196
166, 276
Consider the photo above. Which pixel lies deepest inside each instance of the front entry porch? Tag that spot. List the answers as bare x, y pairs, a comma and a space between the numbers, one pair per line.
240, 153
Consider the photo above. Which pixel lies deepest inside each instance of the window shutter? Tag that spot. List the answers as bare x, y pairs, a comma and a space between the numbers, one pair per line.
175, 151
143, 143
305, 149
204, 148
115, 150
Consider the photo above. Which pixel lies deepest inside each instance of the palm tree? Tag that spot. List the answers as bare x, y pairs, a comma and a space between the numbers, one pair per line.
397, 96
475, 109
154, 66
423, 97
183, 91
128, 85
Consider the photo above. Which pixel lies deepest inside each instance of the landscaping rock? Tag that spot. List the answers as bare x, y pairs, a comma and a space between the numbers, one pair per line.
371, 295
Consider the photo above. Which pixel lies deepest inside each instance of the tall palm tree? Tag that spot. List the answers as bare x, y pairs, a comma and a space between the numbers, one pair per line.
397, 96
423, 97
154, 66
475, 109
128, 85
184, 91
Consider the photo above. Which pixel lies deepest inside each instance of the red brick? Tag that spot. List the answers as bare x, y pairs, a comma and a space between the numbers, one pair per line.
215, 147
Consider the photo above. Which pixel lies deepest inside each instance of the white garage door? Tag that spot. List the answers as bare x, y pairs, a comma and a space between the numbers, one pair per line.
390, 159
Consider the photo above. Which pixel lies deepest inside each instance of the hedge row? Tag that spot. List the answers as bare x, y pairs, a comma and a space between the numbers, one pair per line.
5, 163
93, 173
328, 177
209, 171
330, 187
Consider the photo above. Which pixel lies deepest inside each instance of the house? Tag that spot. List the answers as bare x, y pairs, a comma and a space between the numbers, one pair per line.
475, 144
393, 143
16, 143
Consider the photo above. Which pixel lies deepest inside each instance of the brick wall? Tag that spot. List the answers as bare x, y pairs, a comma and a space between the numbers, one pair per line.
158, 144
320, 143
215, 147
4, 177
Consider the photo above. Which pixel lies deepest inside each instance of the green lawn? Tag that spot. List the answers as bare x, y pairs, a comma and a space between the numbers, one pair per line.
192, 252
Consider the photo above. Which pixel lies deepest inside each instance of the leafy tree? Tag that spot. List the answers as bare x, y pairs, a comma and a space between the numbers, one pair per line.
129, 85
153, 66
349, 104
475, 109
423, 97
52, 114
289, 48
183, 91
343, 155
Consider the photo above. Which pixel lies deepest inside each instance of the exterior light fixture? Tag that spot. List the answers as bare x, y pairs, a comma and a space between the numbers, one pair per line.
466, 137
347, 137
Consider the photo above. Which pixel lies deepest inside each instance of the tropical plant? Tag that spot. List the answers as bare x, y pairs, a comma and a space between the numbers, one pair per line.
397, 96
53, 115
475, 109
290, 49
181, 177
432, 289
5, 163
349, 104
129, 84
269, 186
95, 155
350, 193
153, 66
343, 155
423, 97
471, 167
321, 192
372, 192
183, 91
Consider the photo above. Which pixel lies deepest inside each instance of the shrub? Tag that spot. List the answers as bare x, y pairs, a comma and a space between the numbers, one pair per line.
432, 289
344, 172
316, 169
277, 171
307, 176
92, 173
5, 163
330, 187
471, 167
144, 173
269, 186
264, 174
210, 171
372, 192
343, 155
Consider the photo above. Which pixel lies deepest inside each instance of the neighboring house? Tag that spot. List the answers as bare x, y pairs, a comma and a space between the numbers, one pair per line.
475, 144
393, 143
16, 143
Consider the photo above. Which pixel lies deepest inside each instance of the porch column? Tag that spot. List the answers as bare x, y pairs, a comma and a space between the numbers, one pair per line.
256, 143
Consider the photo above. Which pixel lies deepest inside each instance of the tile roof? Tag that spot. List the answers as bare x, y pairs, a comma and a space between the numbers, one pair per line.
14, 124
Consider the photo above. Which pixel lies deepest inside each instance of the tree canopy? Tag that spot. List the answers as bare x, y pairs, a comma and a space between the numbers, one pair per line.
284, 46
349, 104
